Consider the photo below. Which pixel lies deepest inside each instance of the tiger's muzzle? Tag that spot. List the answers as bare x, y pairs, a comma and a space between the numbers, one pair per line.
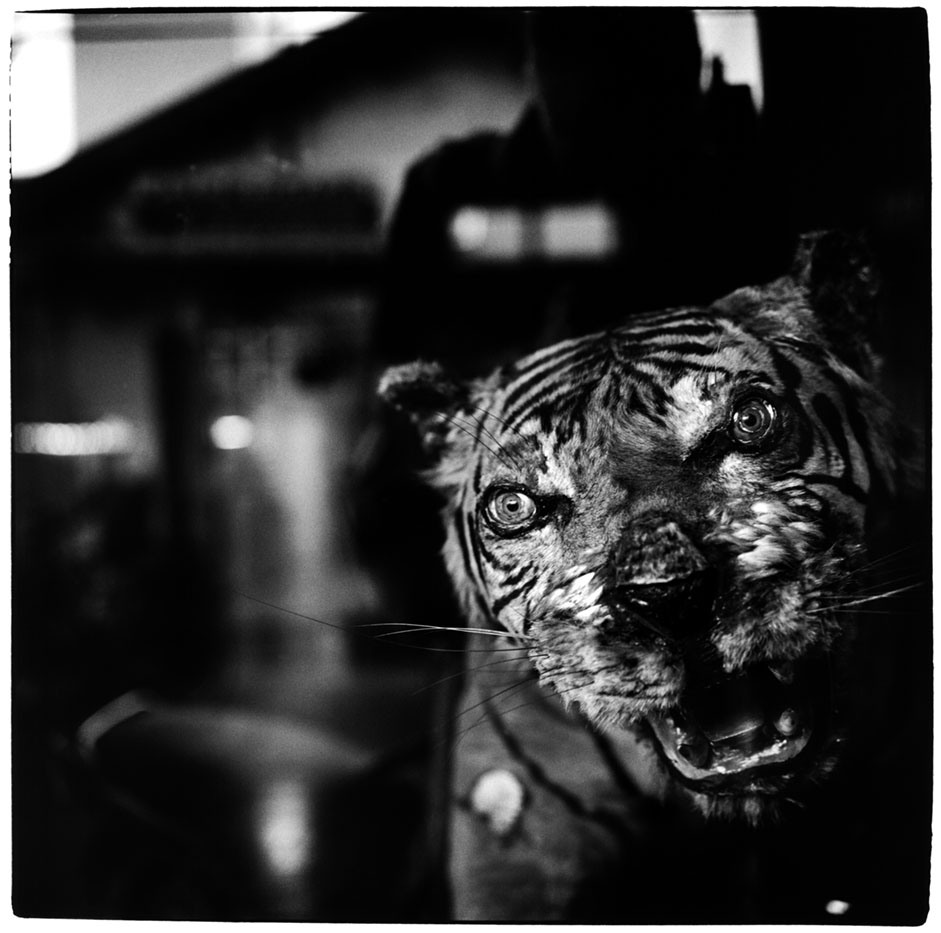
661, 580
734, 730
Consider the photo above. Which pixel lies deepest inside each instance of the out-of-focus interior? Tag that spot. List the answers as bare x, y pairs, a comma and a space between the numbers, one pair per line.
209, 506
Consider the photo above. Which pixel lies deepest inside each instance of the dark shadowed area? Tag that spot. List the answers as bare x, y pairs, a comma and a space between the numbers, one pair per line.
220, 543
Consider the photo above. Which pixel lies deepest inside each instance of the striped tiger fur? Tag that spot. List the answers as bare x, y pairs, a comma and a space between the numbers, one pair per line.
653, 529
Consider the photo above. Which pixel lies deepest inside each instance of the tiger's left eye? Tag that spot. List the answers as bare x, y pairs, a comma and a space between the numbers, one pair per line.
511, 508
752, 421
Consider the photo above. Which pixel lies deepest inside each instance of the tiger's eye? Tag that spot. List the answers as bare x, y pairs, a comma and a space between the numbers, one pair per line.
752, 421
511, 507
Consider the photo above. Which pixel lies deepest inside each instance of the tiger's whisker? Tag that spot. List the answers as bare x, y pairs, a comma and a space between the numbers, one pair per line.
891, 555
478, 669
406, 627
858, 612
883, 583
292, 612
868, 599
500, 445
470, 434
506, 690
503, 421
555, 691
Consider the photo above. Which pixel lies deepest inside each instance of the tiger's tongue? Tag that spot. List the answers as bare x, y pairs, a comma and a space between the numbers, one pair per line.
727, 725
729, 711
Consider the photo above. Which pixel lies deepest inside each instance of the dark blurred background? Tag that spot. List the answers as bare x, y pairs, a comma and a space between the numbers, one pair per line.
249, 219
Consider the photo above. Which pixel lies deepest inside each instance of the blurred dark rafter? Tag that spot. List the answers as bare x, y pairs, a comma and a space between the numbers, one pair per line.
217, 177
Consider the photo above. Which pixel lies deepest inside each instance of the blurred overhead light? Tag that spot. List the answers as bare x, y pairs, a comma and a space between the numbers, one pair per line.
469, 229
732, 36
568, 232
232, 432
91, 439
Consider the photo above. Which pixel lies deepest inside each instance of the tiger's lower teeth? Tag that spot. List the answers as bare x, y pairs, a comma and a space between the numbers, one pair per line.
730, 726
697, 752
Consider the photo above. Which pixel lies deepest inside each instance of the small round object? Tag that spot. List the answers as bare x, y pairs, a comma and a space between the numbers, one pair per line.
511, 508
753, 420
498, 796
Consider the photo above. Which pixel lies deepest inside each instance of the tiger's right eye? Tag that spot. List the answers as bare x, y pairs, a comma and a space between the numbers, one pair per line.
753, 421
510, 509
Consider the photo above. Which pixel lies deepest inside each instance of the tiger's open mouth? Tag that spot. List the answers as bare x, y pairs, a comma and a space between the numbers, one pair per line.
738, 733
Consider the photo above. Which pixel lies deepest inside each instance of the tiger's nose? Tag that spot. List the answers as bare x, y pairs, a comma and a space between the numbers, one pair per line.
676, 609
662, 580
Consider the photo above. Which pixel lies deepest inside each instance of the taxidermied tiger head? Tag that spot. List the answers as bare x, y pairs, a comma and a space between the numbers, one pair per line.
670, 517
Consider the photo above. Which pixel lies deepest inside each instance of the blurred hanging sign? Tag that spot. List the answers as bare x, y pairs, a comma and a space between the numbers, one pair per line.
565, 233
247, 210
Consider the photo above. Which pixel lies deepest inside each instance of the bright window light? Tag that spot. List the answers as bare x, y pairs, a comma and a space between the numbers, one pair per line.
43, 130
732, 35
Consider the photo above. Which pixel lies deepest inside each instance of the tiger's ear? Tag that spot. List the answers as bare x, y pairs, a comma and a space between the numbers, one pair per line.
429, 395
836, 271
827, 296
